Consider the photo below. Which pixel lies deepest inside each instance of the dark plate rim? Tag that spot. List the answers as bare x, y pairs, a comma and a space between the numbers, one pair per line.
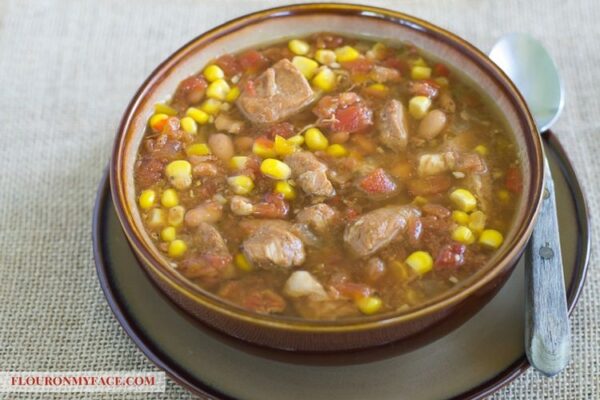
165, 363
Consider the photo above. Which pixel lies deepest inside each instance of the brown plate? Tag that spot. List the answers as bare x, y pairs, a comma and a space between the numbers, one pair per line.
471, 362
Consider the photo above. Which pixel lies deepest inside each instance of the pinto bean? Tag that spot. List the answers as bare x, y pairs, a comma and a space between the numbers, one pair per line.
221, 146
208, 212
432, 125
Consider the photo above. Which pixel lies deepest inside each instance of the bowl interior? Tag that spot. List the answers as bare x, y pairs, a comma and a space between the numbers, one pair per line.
262, 28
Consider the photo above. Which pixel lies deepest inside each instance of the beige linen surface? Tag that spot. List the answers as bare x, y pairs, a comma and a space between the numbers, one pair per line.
67, 71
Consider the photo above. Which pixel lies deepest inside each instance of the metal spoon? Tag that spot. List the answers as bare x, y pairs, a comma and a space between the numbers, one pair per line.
547, 332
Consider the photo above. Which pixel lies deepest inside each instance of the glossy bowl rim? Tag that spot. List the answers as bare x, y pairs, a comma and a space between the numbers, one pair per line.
453, 296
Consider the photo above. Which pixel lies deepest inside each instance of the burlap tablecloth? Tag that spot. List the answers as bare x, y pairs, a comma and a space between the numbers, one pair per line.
67, 71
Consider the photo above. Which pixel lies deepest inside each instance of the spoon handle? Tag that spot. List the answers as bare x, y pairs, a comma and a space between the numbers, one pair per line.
547, 332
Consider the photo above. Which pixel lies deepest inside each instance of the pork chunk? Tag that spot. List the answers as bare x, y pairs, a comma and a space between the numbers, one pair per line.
276, 94
378, 228
273, 245
318, 217
310, 174
393, 125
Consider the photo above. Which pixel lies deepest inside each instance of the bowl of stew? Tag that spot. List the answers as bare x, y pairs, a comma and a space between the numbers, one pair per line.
327, 177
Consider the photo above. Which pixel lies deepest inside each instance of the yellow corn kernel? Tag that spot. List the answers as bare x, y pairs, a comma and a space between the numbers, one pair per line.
282, 147
158, 121
177, 248
175, 216
325, 57
162, 108
503, 195
418, 72
287, 190
213, 73
211, 106
233, 94
491, 238
307, 66
197, 149
337, 150
460, 217
296, 140
238, 162
420, 261
147, 199
442, 81
369, 305
179, 173
263, 149
346, 53
275, 169
299, 47
169, 198
325, 80
378, 87
420, 200
168, 234
418, 106
481, 149
189, 125
156, 218
463, 200
218, 89
419, 62
197, 115
241, 184
242, 262
477, 221
464, 235
315, 140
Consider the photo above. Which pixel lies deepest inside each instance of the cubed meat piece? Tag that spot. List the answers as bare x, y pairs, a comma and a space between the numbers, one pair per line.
302, 284
211, 258
319, 217
437, 163
310, 174
393, 125
276, 94
208, 240
346, 112
481, 186
378, 228
384, 74
274, 246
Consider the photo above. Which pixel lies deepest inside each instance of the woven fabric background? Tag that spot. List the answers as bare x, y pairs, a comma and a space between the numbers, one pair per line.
67, 71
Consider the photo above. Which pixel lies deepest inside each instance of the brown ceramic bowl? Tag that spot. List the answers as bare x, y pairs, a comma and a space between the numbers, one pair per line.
447, 310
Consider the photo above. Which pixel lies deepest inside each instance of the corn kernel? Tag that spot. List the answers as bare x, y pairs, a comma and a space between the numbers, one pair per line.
238, 162
168, 234
275, 169
420, 261
242, 262
156, 218
147, 199
463, 200
460, 217
282, 147
378, 88
337, 150
264, 148
218, 89
418, 72
346, 53
179, 173
197, 115
477, 221
305, 65
481, 149
420, 200
442, 81
175, 216
213, 73
169, 198
503, 195
233, 94
162, 108
296, 140
287, 190
177, 248
419, 62
418, 106
210, 106
325, 57
491, 238
315, 140
197, 149
464, 235
369, 305
189, 125
325, 80
241, 184
299, 47
158, 121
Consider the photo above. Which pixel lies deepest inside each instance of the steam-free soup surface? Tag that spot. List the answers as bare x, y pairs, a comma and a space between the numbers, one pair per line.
327, 177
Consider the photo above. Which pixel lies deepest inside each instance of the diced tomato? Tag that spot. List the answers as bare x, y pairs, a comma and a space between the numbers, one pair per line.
451, 256
514, 180
353, 290
397, 63
423, 88
273, 206
378, 182
252, 61
440, 70
353, 118
190, 90
283, 129
229, 64
204, 266
358, 66
264, 301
